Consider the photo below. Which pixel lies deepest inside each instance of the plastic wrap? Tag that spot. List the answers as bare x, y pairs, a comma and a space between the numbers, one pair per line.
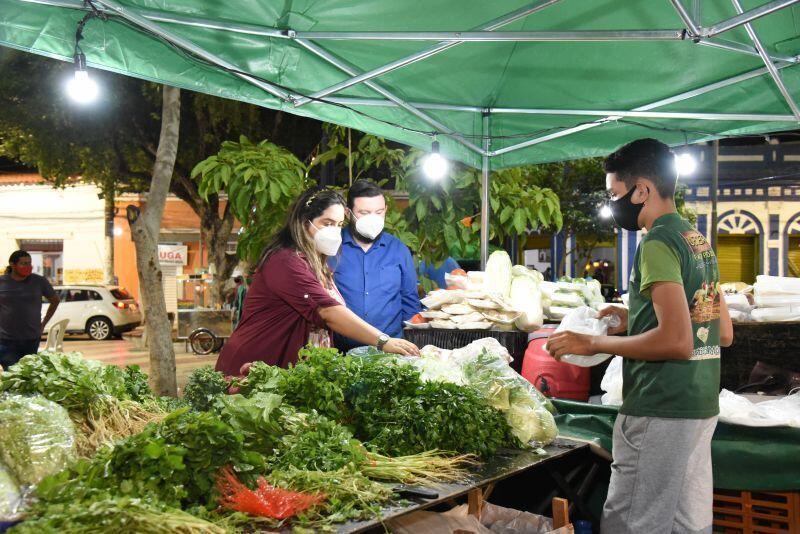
781, 314
525, 408
584, 320
739, 410
10, 497
37, 438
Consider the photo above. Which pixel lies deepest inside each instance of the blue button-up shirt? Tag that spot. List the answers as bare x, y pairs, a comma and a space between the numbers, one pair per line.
379, 285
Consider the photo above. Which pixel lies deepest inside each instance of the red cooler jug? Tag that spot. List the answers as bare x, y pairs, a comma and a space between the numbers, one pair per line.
554, 379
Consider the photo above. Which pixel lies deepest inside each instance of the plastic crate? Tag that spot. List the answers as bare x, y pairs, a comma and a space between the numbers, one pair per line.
756, 512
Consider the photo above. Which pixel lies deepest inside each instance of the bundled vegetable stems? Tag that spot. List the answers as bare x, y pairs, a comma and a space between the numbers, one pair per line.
106, 403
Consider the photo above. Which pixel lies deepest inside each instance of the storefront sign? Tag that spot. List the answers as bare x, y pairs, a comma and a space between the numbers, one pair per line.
172, 254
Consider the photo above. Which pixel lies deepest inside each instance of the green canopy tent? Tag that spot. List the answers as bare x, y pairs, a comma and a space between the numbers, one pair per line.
497, 84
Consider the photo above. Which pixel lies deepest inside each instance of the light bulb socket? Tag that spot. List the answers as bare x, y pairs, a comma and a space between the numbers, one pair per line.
80, 61
435, 147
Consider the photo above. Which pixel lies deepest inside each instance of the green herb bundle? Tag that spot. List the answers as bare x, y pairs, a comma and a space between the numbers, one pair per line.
174, 462
203, 387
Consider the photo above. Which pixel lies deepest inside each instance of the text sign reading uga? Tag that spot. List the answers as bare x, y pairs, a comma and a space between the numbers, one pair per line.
172, 254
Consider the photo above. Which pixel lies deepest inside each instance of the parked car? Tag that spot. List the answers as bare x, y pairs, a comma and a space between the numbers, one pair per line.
100, 311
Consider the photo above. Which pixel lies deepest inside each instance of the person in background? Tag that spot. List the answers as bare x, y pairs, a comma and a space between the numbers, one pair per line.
548, 274
238, 299
293, 300
375, 271
21, 323
661, 476
437, 274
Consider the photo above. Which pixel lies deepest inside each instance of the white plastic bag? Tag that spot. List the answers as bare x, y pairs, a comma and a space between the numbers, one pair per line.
769, 315
739, 410
584, 320
612, 383
738, 302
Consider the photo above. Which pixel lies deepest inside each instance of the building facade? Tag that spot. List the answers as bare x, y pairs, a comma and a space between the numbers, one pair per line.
64, 231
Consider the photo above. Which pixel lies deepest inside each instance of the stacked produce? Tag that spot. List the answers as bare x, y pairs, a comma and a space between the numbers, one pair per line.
504, 297
777, 298
308, 447
567, 294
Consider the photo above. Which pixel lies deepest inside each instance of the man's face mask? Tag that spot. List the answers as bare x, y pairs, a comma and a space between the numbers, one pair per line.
625, 212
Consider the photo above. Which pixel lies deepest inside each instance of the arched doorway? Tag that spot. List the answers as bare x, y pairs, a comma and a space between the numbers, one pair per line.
738, 246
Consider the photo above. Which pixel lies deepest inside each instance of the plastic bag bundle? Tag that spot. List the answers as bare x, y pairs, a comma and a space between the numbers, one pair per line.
584, 320
37, 438
612, 383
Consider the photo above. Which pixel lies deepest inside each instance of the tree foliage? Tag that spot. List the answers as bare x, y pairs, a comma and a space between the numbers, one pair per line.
261, 181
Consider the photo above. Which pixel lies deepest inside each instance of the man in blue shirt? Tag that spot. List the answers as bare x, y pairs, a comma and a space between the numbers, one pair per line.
374, 270
437, 275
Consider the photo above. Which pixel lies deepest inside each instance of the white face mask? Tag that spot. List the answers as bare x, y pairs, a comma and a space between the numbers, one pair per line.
370, 226
327, 240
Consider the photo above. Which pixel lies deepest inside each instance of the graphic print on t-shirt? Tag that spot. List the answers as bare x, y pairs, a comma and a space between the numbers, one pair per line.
705, 303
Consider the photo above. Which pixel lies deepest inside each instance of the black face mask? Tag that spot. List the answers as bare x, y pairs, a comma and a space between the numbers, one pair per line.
625, 212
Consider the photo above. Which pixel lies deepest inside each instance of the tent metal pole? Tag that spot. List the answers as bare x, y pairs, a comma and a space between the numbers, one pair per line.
747, 16
724, 44
685, 17
432, 51
493, 37
660, 103
770, 66
138, 20
576, 112
649, 114
697, 13
486, 204
349, 69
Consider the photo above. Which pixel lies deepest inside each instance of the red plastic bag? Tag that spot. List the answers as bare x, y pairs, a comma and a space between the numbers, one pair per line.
266, 501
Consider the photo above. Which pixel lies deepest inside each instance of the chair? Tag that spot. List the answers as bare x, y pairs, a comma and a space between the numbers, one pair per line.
55, 336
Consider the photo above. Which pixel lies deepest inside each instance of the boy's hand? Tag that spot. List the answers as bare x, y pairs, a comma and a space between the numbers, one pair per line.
619, 312
562, 343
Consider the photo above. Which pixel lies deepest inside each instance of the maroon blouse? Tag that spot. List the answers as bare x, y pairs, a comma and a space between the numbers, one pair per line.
280, 311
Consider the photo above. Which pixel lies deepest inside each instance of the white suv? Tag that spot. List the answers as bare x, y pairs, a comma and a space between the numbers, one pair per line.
100, 311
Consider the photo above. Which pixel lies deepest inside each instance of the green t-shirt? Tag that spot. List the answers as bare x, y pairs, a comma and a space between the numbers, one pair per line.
674, 251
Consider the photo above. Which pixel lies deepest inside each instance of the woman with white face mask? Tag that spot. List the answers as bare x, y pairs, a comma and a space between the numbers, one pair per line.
293, 300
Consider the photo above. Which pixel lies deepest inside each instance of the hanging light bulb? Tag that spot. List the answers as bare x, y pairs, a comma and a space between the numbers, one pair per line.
434, 165
605, 212
685, 164
82, 89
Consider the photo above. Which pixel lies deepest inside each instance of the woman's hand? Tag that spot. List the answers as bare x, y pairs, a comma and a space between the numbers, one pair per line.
401, 347
618, 311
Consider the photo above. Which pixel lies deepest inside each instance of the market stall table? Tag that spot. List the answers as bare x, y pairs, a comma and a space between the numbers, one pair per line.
763, 458
478, 486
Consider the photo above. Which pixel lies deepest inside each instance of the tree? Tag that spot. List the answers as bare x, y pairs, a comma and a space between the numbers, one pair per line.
145, 228
261, 181
581, 186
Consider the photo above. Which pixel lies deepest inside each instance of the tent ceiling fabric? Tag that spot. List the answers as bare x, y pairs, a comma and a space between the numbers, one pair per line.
551, 74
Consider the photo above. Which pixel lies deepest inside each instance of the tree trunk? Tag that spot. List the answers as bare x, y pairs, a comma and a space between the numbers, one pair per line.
145, 227
109, 212
217, 232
